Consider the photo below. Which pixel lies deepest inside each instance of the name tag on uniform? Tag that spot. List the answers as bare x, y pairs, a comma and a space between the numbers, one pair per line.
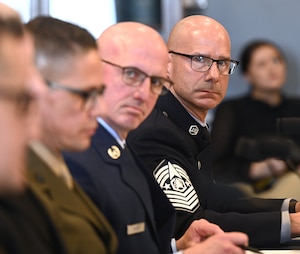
136, 228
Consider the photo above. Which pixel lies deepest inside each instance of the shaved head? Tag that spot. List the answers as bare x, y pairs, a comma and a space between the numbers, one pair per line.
193, 29
122, 39
202, 36
130, 44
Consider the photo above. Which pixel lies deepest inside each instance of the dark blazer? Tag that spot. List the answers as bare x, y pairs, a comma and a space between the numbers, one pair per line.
126, 193
25, 226
171, 139
231, 123
82, 226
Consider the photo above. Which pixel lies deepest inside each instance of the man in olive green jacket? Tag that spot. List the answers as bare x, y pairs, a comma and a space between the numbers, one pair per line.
68, 60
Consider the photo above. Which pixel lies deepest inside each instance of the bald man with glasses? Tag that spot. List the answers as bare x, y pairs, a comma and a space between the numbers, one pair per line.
174, 141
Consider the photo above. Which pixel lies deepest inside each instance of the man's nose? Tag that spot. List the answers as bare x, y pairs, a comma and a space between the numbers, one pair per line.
143, 91
213, 72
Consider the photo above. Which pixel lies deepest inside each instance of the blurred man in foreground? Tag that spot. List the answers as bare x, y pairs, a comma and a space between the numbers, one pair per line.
25, 225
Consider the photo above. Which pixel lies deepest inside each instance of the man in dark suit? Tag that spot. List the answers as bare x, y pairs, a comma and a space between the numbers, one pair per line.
68, 60
25, 226
174, 141
141, 215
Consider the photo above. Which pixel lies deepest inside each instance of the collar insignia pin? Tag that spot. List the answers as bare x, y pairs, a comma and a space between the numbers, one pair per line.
193, 130
114, 152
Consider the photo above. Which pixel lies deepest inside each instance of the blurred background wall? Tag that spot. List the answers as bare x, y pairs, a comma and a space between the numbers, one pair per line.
277, 20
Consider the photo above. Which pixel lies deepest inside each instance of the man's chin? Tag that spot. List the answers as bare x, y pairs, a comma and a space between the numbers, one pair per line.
132, 127
83, 145
208, 104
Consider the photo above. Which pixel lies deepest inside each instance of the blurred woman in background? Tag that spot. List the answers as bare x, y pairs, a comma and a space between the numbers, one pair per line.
247, 146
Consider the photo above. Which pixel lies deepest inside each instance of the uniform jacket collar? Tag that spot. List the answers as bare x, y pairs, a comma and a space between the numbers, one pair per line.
44, 182
103, 141
173, 109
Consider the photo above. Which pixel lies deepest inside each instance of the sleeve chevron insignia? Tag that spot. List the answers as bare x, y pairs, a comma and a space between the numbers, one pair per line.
177, 185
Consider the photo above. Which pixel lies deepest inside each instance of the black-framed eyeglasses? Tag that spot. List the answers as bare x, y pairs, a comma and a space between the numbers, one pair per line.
133, 76
203, 63
23, 99
88, 97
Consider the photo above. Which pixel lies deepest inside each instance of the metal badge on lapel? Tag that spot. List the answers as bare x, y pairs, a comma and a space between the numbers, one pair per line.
114, 152
193, 130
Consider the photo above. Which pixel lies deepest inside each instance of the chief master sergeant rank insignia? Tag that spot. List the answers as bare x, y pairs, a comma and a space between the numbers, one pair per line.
177, 185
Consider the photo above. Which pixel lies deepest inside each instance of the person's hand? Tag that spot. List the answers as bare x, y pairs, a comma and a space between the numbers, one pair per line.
220, 243
266, 168
297, 207
277, 167
295, 222
198, 231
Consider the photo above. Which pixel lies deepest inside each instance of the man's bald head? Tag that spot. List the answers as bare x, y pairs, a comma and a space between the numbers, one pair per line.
117, 41
142, 50
194, 28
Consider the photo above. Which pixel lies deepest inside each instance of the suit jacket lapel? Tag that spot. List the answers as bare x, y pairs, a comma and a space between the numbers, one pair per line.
102, 141
184, 120
43, 180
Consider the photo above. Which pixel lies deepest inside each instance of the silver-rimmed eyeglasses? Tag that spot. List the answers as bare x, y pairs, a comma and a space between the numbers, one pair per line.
203, 63
133, 76
89, 97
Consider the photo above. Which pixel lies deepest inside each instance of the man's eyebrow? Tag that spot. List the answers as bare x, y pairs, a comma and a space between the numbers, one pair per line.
207, 55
